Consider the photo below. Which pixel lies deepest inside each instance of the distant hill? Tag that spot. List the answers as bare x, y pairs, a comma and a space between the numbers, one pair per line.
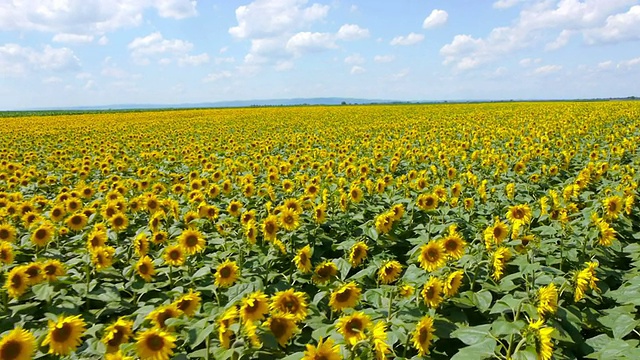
238, 103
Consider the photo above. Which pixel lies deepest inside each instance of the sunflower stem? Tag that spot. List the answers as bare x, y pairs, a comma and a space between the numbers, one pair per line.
170, 276
391, 297
88, 277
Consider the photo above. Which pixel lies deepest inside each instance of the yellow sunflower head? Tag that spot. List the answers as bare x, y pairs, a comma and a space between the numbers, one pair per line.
432, 256
18, 344
65, 335
227, 273
155, 344
346, 296
389, 272
353, 327
290, 302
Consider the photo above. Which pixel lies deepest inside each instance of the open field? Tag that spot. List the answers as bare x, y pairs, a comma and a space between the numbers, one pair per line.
463, 231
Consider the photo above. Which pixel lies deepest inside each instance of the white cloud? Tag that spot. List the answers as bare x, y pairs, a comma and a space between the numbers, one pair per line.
436, 18
547, 69
352, 32
561, 41
223, 60
16, 60
357, 70
51, 80
528, 62
193, 60
86, 17
306, 42
505, 4
619, 27
103, 40
217, 76
72, 38
384, 58
605, 65
537, 23
143, 48
628, 63
265, 18
400, 75
354, 59
410, 39
284, 65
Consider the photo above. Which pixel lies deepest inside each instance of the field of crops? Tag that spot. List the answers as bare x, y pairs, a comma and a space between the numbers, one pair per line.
462, 231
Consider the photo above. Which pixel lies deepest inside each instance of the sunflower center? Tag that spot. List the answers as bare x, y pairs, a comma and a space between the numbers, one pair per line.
184, 304
343, 295
424, 335
33, 272
430, 292
269, 228
95, 241
191, 240
56, 212
354, 325
11, 350
288, 220
174, 255
233, 208
16, 281
451, 245
432, 254
143, 268
152, 204
62, 333
50, 269
41, 234
303, 258
116, 338
429, 201
225, 272
164, 316
155, 342
324, 271
76, 220
613, 207
278, 328
518, 214
291, 305
4, 234
497, 232
118, 221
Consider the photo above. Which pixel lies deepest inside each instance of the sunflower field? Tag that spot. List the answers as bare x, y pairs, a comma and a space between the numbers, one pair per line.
448, 231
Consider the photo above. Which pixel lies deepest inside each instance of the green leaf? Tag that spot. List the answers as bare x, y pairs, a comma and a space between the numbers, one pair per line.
482, 300
202, 335
294, 356
343, 266
504, 327
203, 271
472, 335
482, 350
43, 291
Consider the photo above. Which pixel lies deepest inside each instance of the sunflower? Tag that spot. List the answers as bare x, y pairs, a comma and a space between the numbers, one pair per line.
326, 350
324, 272
57, 213
270, 227
102, 257
161, 314
585, 278
355, 194
174, 255
18, 344
7, 233
159, 237
406, 290
289, 219
293, 204
119, 222
117, 334
427, 202
607, 233
77, 221
352, 327
155, 344
454, 245
495, 234
282, 326
64, 335
542, 334
34, 273
613, 206
290, 302
16, 282
452, 283
141, 244
320, 213
432, 292
234, 208
358, 253
389, 272
547, 300
144, 268
423, 335
303, 259
6, 253
346, 296
43, 234
251, 232
227, 273
519, 214
499, 261
225, 321
432, 256
384, 222
96, 238
192, 241
379, 337
188, 303
254, 307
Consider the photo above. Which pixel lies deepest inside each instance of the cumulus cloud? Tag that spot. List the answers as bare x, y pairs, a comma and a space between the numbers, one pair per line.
306, 42
16, 60
217, 76
86, 17
410, 39
618, 27
265, 18
357, 70
505, 4
72, 38
193, 60
547, 69
154, 44
559, 20
384, 58
436, 18
354, 59
352, 32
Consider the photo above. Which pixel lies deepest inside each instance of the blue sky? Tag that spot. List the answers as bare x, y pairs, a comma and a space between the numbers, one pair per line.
57, 53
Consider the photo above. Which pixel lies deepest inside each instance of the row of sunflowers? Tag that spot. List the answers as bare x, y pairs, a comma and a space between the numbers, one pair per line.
462, 231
